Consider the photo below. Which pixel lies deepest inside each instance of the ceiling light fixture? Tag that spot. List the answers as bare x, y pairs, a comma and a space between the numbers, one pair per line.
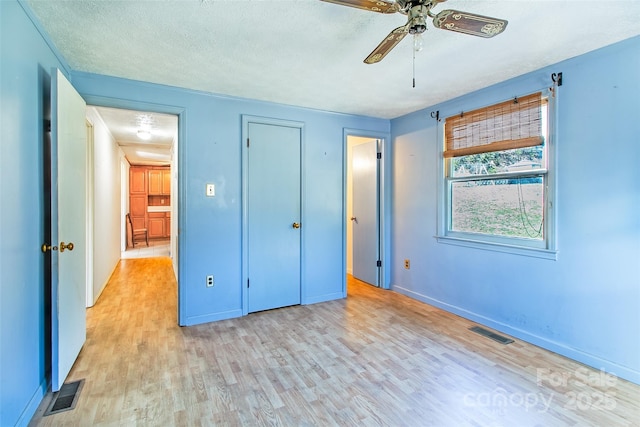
144, 134
418, 42
417, 26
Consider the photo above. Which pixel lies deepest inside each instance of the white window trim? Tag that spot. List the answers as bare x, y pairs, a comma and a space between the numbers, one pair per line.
546, 249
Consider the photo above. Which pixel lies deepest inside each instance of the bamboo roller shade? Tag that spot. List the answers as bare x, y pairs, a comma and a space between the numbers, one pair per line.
504, 126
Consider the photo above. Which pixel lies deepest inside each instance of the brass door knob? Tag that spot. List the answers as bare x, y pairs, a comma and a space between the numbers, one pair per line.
296, 225
45, 248
67, 246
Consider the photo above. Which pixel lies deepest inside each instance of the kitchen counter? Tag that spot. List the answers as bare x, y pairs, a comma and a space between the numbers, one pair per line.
158, 208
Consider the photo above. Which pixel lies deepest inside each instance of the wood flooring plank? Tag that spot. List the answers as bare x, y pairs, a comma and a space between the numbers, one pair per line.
376, 358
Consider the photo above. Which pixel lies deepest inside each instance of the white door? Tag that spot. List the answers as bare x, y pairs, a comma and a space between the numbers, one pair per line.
68, 226
365, 212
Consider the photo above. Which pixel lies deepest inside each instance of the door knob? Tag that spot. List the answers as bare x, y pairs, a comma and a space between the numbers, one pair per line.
296, 225
67, 246
44, 248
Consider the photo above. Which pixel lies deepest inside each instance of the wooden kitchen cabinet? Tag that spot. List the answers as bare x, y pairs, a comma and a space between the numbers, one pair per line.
138, 196
156, 225
166, 182
137, 180
160, 182
155, 182
150, 186
159, 225
138, 205
138, 210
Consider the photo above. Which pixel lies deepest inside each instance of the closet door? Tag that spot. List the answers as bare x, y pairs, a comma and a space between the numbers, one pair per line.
273, 216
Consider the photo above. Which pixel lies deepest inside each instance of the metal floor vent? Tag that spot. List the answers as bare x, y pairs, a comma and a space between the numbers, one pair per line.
487, 333
66, 398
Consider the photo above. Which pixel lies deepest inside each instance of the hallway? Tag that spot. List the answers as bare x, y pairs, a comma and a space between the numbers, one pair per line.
376, 358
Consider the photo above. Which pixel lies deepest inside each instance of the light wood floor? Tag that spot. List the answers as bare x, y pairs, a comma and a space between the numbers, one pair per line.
376, 358
156, 248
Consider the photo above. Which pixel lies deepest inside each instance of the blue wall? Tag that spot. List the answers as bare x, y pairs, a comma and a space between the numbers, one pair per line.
210, 230
26, 63
585, 304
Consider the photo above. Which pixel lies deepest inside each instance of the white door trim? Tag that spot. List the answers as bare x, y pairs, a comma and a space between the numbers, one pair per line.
384, 275
177, 221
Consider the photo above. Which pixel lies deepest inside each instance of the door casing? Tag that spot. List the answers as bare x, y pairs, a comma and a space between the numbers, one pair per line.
177, 218
384, 202
246, 120
365, 223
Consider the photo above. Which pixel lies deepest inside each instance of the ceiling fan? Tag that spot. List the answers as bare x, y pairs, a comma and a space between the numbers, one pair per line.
417, 12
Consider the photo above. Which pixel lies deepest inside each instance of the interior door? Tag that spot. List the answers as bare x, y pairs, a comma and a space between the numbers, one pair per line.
365, 212
273, 217
68, 226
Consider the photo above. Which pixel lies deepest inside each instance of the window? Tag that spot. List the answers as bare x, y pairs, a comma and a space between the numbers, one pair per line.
497, 176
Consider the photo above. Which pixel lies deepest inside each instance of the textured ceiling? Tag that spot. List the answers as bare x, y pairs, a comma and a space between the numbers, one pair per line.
124, 126
309, 53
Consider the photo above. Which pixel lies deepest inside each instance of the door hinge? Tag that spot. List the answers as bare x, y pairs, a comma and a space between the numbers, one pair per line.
379, 155
379, 263
247, 142
247, 283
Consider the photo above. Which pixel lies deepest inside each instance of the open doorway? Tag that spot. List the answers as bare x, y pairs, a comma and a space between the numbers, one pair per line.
365, 209
127, 141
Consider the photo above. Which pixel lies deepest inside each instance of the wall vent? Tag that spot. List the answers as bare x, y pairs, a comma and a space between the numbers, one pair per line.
487, 333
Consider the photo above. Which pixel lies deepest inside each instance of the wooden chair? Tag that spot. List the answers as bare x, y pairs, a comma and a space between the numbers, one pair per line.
137, 233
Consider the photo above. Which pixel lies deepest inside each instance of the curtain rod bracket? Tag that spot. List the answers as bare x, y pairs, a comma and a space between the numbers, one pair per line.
557, 78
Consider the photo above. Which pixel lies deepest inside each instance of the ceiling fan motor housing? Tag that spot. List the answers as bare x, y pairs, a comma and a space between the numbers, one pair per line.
418, 19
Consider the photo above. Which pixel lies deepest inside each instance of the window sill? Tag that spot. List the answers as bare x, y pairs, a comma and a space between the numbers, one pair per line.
499, 247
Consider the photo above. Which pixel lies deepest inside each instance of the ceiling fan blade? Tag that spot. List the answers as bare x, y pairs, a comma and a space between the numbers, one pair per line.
469, 23
380, 6
387, 44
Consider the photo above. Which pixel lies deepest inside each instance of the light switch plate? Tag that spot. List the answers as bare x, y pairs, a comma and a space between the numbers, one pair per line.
211, 190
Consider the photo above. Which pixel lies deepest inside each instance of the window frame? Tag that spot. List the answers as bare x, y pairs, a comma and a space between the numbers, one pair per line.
540, 248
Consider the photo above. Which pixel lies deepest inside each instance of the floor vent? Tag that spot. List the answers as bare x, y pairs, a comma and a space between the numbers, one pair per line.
492, 335
66, 398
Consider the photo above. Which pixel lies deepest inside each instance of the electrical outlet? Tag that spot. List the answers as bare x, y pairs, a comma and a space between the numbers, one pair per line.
407, 264
210, 281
